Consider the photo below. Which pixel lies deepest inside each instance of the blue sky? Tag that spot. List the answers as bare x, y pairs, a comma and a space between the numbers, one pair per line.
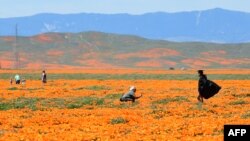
16, 8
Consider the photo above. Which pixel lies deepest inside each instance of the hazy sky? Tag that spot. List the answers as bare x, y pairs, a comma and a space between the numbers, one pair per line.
16, 8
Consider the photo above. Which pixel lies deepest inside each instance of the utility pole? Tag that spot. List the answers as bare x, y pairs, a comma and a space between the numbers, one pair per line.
15, 51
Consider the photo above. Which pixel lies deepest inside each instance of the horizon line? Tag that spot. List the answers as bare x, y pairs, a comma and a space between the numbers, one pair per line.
138, 14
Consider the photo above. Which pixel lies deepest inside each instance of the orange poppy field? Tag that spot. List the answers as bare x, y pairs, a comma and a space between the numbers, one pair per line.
89, 109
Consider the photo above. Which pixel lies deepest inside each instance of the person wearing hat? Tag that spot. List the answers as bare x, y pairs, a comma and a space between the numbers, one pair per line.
130, 96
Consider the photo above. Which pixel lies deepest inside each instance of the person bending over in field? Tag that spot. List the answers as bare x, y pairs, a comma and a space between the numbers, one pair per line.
206, 88
130, 96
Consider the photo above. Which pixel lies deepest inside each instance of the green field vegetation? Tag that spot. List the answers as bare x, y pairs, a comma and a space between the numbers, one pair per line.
118, 120
246, 115
175, 99
238, 102
94, 88
85, 76
19, 103
44, 103
36, 103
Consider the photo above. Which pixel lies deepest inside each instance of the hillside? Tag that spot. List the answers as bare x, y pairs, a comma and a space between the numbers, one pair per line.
102, 50
214, 25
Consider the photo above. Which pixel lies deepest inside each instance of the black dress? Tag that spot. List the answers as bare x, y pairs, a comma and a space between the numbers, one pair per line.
207, 88
44, 78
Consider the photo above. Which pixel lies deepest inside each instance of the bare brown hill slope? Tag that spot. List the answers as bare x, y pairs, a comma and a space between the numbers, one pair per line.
103, 50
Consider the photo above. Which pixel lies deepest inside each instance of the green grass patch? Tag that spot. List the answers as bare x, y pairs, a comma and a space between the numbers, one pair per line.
31, 103
177, 89
6, 106
238, 102
246, 115
20, 103
74, 105
118, 120
175, 99
23, 102
123, 105
97, 88
113, 96
242, 95
33, 89
53, 103
159, 113
93, 88
12, 88
81, 101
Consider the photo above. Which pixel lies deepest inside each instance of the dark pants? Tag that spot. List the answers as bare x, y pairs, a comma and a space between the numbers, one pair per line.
17, 81
125, 99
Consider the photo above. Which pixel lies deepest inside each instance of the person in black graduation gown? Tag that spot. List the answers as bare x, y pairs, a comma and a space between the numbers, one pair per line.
206, 88
201, 84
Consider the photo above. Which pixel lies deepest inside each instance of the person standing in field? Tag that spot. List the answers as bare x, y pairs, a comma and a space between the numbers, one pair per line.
11, 81
17, 79
130, 96
23, 81
201, 84
44, 77
206, 88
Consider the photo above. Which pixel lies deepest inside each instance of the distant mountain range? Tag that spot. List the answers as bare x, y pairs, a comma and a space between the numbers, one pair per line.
215, 25
105, 51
